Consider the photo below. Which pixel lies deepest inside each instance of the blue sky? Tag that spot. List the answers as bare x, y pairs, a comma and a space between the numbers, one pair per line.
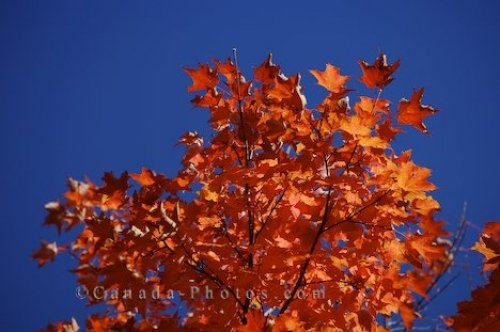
91, 87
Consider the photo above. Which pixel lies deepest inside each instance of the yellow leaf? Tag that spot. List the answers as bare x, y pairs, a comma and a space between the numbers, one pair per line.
209, 195
414, 178
330, 79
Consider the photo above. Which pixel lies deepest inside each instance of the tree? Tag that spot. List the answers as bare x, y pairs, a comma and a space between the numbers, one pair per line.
289, 219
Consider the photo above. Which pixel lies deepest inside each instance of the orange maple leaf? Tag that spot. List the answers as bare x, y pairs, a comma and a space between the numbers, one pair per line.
145, 178
412, 112
267, 71
489, 245
378, 75
331, 79
47, 252
204, 78
414, 178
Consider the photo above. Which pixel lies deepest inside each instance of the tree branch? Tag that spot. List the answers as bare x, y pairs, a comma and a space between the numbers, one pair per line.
240, 109
251, 226
225, 232
349, 218
211, 276
306, 263
277, 202
457, 242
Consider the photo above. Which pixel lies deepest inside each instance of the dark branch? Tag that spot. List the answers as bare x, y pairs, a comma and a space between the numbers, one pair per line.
350, 218
211, 276
225, 232
306, 263
275, 206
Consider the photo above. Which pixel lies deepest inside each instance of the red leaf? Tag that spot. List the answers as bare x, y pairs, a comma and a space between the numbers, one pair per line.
412, 112
378, 75
204, 78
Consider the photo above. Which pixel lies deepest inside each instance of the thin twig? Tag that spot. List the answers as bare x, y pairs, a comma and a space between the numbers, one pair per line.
306, 263
349, 218
275, 206
440, 291
457, 241
212, 276
240, 108
225, 232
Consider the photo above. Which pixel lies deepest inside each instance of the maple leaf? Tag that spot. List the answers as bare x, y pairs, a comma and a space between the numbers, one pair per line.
378, 75
145, 178
386, 131
489, 246
228, 69
414, 178
191, 138
482, 311
56, 215
426, 248
210, 99
370, 105
113, 184
331, 79
204, 78
267, 71
492, 229
284, 87
47, 252
412, 112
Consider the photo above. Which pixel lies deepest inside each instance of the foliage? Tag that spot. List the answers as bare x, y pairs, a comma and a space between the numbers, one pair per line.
283, 200
482, 312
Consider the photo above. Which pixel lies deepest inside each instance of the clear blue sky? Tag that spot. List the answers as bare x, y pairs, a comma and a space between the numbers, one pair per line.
86, 88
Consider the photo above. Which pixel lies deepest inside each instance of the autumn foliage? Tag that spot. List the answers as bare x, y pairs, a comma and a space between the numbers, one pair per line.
284, 199
482, 312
